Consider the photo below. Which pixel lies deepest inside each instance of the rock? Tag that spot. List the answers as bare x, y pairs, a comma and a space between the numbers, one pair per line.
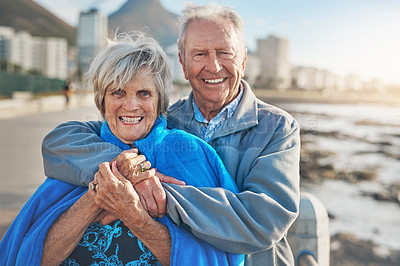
347, 249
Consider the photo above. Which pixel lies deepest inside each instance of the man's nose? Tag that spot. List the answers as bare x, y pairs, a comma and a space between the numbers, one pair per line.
212, 64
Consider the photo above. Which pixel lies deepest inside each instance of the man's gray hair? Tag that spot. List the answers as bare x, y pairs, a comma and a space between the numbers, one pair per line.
211, 12
121, 60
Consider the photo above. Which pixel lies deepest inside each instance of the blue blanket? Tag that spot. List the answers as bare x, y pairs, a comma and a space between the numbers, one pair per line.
172, 152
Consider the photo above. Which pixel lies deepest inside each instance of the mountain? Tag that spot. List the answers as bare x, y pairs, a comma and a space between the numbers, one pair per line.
27, 15
149, 16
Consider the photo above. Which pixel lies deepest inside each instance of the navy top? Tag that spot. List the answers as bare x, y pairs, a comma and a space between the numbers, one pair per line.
111, 244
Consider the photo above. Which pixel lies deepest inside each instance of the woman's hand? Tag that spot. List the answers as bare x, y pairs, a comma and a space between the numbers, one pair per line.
134, 167
115, 194
147, 183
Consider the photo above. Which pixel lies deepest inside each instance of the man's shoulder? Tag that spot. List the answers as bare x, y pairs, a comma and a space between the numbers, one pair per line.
174, 108
268, 113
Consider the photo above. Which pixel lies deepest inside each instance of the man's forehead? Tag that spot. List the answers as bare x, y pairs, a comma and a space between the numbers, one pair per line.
201, 34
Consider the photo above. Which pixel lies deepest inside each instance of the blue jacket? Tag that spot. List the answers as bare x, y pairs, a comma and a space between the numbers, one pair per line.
173, 152
260, 147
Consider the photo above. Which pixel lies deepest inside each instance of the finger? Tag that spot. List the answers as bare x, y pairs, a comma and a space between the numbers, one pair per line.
93, 185
144, 166
152, 193
142, 176
169, 179
133, 150
116, 172
107, 177
160, 198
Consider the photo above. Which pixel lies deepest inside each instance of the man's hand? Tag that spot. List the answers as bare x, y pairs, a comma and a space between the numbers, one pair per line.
152, 194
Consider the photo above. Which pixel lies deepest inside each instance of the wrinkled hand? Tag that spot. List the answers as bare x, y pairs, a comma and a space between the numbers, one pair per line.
152, 194
116, 195
130, 165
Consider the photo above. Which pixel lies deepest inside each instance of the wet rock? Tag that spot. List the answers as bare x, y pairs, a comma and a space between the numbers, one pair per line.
391, 194
347, 249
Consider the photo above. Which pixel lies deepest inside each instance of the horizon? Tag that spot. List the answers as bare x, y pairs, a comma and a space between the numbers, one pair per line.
345, 37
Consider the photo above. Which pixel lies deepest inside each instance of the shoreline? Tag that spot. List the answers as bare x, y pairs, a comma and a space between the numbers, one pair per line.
351, 97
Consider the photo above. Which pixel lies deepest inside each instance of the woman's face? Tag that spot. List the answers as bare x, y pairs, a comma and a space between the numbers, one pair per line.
131, 111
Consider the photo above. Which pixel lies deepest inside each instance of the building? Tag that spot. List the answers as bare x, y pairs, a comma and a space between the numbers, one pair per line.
91, 36
47, 56
252, 70
50, 56
273, 53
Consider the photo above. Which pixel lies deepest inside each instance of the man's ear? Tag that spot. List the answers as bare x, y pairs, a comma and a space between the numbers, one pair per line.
183, 66
244, 61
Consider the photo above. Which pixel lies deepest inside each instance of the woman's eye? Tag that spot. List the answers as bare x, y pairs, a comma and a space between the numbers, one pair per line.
118, 92
145, 93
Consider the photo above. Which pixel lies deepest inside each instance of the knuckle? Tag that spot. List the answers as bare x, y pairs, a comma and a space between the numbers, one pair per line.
152, 208
148, 164
141, 158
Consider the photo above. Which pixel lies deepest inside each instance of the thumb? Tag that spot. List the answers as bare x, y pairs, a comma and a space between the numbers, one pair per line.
169, 179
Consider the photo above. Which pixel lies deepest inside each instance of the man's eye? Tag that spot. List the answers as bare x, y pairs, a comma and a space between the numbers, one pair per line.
226, 55
198, 55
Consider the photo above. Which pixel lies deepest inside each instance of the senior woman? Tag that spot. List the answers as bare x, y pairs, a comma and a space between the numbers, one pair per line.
59, 224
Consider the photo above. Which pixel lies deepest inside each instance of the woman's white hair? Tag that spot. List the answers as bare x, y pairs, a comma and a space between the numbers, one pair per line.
211, 12
121, 60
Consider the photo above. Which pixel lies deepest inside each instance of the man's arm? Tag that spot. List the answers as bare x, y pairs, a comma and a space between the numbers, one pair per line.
254, 219
73, 151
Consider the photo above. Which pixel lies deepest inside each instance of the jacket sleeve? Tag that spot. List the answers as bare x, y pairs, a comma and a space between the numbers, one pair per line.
73, 151
259, 215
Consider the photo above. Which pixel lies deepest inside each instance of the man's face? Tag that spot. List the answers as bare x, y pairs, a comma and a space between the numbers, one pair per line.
214, 62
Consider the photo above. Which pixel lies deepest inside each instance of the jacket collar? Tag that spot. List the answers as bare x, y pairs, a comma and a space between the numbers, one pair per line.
245, 116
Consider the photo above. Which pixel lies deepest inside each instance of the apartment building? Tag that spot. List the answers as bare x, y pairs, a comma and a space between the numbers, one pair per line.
45, 55
275, 68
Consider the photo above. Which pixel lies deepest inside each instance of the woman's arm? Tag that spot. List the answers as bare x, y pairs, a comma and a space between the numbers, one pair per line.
65, 234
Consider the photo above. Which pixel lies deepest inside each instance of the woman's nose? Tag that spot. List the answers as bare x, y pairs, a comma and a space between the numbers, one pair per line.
212, 64
131, 103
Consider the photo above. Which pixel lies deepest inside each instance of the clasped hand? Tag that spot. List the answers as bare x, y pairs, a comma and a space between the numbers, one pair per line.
123, 188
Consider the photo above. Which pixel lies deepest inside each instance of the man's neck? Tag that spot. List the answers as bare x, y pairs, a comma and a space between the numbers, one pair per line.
209, 110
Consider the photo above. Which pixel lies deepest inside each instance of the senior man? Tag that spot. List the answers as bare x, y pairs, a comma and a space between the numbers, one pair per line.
258, 143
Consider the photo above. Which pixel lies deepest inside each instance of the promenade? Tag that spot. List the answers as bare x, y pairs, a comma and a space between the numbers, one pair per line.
24, 123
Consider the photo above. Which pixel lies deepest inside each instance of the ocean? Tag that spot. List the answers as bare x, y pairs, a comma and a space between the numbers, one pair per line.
357, 137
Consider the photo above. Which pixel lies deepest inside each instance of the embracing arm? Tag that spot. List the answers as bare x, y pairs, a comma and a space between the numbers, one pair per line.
259, 215
73, 151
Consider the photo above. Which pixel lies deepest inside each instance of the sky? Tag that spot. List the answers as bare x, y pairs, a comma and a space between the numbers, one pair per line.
344, 36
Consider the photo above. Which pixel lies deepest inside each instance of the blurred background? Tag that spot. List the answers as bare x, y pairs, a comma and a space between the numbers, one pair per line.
334, 65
